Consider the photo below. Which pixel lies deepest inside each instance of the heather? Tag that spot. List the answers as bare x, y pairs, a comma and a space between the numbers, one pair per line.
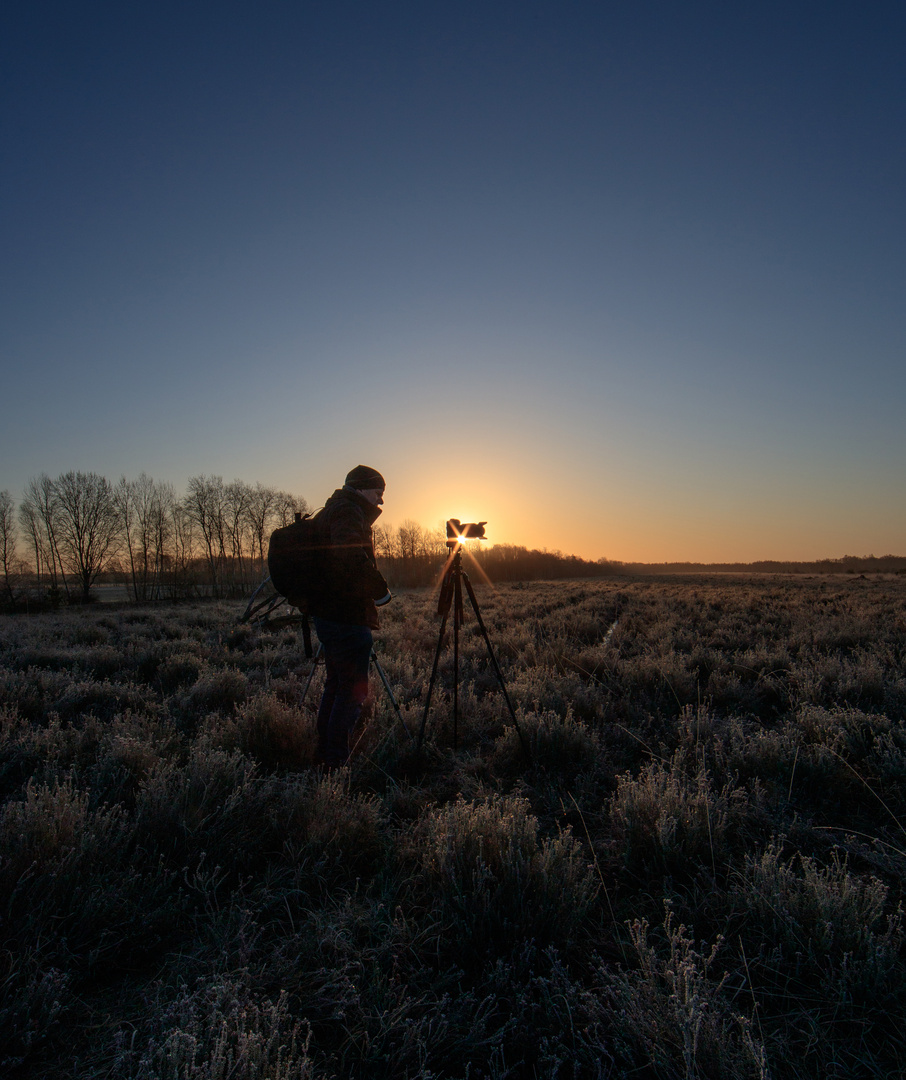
689, 861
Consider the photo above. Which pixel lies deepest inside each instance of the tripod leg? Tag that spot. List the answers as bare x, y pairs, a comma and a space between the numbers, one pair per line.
457, 622
440, 642
311, 674
383, 676
254, 612
253, 605
497, 671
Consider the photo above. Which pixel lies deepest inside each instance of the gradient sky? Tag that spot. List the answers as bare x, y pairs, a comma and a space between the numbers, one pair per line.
624, 279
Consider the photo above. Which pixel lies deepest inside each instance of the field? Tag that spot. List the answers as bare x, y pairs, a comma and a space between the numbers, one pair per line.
696, 870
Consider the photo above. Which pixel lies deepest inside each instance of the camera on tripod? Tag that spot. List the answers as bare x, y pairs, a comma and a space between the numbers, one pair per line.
457, 533
450, 597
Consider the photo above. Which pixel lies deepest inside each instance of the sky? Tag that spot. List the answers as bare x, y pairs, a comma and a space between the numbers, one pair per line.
627, 281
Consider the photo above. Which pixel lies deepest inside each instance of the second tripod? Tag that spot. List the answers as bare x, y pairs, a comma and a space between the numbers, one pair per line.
451, 597
378, 669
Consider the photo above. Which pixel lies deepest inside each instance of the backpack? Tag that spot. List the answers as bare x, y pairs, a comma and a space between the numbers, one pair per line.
296, 562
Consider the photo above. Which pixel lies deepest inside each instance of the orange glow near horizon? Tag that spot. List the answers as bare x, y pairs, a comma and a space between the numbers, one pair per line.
658, 526
626, 496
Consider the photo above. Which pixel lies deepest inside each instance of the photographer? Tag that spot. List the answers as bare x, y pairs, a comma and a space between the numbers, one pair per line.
345, 611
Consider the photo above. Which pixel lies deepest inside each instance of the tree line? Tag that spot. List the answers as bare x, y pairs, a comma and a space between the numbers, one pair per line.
848, 564
80, 528
68, 535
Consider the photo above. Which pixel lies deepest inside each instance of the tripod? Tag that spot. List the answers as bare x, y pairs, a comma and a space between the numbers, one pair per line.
451, 596
378, 669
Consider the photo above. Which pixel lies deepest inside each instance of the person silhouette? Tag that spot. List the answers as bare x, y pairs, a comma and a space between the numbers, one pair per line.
344, 610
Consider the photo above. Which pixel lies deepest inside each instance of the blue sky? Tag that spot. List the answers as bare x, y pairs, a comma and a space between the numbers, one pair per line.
625, 280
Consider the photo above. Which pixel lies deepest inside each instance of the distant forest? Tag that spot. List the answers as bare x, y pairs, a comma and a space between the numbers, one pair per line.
71, 535
848, 564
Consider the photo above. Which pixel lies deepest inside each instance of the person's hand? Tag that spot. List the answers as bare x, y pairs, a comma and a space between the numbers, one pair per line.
384, 599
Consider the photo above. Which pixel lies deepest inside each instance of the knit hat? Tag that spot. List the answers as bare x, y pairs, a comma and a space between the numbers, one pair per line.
362, 478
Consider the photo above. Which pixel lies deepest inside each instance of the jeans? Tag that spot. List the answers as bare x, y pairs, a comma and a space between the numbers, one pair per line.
347, 654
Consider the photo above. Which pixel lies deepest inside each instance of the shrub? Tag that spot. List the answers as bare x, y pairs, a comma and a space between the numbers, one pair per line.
49, 823
76, 891
208, 805
671, 1015
832, 927
19, 755
274, 733
666, 821
217, 690
177, 670
34, 1003
556, 746
101, 699
824, 950
319, 819
495, 883
128, 750
220, 1032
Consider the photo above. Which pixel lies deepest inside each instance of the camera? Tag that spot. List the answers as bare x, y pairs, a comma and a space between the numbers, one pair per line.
457, 532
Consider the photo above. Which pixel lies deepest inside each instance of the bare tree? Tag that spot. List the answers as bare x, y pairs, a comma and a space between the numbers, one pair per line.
123, 495
89, 525
261, 514
410, 541
7, 542
143, 507
384, 541
39, 514
204, 504
288, 506
161, 533
436, 541
411, 553
76, 524
31, 524
183, 540
237, 497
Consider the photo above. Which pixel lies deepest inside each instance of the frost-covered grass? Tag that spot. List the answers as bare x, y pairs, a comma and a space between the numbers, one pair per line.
697, 870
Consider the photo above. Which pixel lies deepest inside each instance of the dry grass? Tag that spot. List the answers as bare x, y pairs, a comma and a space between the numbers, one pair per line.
697, 871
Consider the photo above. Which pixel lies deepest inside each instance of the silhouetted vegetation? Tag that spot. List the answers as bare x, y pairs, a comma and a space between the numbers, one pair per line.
139, 540
81, 531
699, 871
849, 564
497, 564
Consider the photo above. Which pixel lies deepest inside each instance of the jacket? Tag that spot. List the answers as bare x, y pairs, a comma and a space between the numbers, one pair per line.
352, 581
